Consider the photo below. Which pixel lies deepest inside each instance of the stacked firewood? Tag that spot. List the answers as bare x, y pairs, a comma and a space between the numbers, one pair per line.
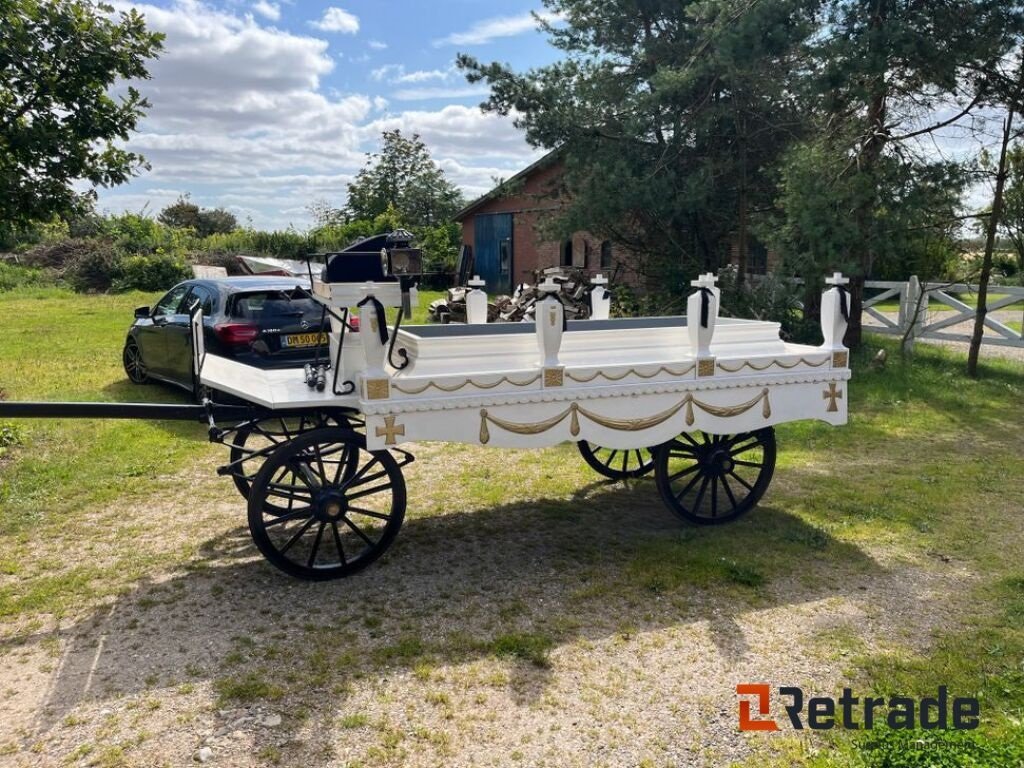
574, 291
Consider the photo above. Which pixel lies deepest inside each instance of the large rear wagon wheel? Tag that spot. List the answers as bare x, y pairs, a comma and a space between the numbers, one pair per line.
714, 479
325, 522
616, 463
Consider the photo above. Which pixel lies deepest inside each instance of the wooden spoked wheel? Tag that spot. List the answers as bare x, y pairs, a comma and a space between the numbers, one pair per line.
714, 479
615, 463
253, 442
326, 521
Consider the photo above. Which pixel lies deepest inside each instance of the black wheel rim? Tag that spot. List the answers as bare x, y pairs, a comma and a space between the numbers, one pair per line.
254, 442
326, 521
617, 463
712, 479
133, 365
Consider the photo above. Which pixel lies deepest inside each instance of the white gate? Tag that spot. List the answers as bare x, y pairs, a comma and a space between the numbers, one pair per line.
933, 311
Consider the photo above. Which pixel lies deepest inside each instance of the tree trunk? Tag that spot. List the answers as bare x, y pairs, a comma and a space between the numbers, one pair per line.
990, 243
741, 239
878, 136
741, 224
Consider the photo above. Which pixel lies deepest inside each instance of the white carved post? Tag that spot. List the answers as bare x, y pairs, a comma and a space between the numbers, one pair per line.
833, 323
476, 302
700, 324
549, 314
600, 299
375, 378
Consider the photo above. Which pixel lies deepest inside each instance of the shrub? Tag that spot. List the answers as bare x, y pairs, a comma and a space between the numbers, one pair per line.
10, 436
94, 268
18, 276
767, 298
149, 273
286, 245
1006, 263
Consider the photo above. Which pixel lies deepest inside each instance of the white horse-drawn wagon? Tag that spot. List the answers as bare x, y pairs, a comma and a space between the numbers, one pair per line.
317, 453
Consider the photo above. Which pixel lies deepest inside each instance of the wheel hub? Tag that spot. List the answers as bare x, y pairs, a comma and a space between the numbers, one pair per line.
331, 506
720, 462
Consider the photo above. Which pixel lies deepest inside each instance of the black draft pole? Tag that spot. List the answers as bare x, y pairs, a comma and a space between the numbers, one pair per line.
154, 411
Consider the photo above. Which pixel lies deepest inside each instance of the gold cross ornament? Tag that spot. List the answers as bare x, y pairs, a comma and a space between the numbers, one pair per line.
389, 431
833, 394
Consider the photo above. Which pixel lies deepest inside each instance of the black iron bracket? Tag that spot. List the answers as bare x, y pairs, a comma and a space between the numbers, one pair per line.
391, 345
347, 387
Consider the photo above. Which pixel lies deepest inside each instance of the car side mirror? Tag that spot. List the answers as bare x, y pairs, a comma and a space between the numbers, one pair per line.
141, 312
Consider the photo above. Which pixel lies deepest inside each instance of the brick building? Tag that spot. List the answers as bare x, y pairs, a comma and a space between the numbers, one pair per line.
501, 229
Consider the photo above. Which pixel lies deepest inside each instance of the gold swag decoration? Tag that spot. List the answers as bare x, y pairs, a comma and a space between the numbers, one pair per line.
623, 425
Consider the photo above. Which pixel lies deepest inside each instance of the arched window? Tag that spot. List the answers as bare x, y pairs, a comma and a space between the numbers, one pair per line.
567, 253
606, 254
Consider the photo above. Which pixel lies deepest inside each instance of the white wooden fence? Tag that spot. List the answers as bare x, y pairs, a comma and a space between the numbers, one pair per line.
935, 311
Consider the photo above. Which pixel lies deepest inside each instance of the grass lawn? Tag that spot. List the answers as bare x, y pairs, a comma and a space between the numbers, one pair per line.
528, 614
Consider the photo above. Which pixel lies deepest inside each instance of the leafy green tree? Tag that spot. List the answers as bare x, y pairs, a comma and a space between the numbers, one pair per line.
181, 214
403, 176
879, 72
1012, 222
213, 221
184, 214
1007, 94
667, 115
59, 117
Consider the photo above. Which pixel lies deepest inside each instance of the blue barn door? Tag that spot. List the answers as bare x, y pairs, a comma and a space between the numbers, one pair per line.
492, 251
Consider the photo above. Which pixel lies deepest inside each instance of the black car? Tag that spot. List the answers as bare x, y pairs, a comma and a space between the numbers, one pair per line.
260, 321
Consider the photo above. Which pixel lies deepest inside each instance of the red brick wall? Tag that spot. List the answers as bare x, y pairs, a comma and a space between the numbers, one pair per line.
530, 251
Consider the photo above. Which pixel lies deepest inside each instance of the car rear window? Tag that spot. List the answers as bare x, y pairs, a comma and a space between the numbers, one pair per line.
271, 305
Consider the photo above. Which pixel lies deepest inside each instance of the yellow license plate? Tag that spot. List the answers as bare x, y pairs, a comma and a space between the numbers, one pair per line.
303, 339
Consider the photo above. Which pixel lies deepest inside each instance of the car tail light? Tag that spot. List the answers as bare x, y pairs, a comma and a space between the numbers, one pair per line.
353, 322
237, 333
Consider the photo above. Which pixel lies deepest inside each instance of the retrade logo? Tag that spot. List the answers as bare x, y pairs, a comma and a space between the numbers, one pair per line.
822, 713
763, 694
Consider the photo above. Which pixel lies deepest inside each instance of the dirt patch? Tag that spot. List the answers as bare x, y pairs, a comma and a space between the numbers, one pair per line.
526, 632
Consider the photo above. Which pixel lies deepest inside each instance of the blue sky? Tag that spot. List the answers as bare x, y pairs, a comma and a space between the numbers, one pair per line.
264, 107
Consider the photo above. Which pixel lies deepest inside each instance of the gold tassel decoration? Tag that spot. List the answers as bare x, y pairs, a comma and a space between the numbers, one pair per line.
484, 434
689, 410
766, 408
574, 425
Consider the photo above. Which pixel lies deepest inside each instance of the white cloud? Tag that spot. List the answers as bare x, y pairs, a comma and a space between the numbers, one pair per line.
267, 9
377, 45
337, 20
421, 94
396, 73
241, 117
500, 26
460, 131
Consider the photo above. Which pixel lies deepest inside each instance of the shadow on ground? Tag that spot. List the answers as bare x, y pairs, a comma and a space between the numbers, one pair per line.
512, 579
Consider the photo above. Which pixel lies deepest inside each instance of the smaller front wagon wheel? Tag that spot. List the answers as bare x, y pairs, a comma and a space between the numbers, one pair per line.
316, 517
713, 479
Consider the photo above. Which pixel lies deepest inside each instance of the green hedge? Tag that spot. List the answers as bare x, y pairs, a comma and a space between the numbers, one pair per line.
149, 273
17, 276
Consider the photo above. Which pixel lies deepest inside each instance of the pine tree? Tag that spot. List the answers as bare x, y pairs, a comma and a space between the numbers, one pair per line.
667, 115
